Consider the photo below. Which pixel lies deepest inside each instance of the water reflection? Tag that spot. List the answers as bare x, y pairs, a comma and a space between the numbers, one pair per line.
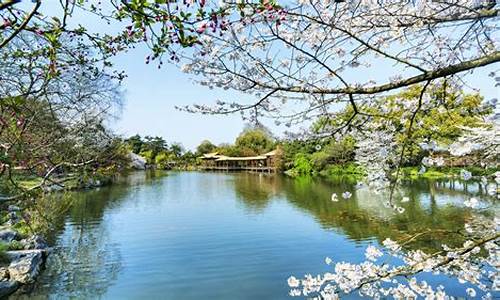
433, 205
224, 236
85, 260
256, 190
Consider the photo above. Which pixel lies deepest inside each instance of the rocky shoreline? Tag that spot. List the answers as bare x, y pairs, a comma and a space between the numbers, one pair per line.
22, 263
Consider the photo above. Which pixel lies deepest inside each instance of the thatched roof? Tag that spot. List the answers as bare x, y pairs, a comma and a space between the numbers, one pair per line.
271, 153
212, 155
230, 158
219, 157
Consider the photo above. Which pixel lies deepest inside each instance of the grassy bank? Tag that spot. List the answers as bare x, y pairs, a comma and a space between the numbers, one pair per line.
349, 171
445, 172
354, 172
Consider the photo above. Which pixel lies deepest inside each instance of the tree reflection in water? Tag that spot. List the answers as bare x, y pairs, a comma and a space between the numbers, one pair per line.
191, 214
85, 261
433, 205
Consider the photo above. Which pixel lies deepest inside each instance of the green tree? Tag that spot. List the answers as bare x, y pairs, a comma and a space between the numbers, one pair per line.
254, 142
189, 158
205, 147
176, 149
154, 144
302, 164
442, 114
135, 142
334, 152
162, 160
148, 155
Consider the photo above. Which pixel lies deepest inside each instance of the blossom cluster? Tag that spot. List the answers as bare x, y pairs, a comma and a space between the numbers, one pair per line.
304, 53
379, 280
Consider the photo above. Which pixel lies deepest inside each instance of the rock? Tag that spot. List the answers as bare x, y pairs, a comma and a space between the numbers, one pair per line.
8, 235
25, 265
4, 273
11, 223
13, 218
92, 183
53, 188
13, 208
7, 288
34, 242
137, 162
13, 215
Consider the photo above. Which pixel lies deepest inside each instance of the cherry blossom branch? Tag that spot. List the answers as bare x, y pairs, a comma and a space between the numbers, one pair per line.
23, 25
427, 76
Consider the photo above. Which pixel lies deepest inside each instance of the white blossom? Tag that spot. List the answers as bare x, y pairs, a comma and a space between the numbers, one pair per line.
471, 292
391, 245
293, 282
373, 253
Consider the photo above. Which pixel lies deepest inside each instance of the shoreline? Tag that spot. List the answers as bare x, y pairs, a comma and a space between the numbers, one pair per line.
22, 256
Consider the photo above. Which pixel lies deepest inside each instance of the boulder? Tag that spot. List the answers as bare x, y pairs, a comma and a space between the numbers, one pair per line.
53, 188
4, 274
13, 218
8, 235
92, 183
34, 242
13, 208
25, 265
7, 288
137, 162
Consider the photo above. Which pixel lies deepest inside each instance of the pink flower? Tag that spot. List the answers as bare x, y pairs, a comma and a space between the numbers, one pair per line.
202, 28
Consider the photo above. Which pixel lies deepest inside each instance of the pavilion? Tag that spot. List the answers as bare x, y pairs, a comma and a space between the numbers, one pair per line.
261, 163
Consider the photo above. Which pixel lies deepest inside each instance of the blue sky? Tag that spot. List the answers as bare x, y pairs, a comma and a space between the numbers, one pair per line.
151, 94
150, 97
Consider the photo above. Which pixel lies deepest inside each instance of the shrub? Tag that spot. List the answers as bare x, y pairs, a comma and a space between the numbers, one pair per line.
4, 258
162, 160
148, 155
320, 160
302, 164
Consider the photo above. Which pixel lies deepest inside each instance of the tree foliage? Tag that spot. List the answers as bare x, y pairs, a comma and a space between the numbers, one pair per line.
205, 147
156, 150
253, 142
442, 114
135, 143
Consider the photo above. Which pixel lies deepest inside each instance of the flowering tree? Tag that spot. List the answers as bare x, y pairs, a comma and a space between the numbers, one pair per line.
57, 92
306, 59
53, 31
298, 61
51, 123
307, 52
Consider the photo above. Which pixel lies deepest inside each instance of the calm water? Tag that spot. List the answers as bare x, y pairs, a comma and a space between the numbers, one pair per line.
230, 236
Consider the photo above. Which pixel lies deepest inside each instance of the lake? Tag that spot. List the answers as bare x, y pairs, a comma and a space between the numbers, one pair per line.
193, 235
